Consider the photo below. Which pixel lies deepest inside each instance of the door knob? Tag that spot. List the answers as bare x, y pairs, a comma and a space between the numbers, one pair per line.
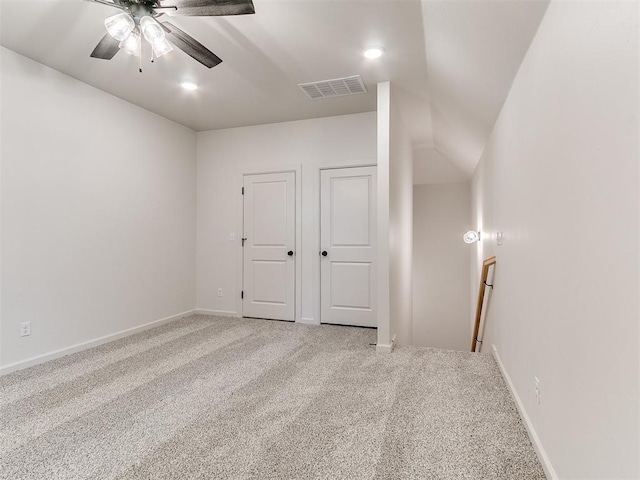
324, 253
290, 253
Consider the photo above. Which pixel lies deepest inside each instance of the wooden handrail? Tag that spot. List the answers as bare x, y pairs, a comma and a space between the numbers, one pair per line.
483, 284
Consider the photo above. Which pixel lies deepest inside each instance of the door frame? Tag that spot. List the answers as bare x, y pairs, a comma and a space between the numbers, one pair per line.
298, 229
318, 237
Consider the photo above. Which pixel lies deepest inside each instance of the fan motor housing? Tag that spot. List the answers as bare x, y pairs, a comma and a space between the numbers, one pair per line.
139, 10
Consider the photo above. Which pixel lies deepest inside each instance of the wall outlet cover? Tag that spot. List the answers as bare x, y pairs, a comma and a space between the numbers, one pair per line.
25, 329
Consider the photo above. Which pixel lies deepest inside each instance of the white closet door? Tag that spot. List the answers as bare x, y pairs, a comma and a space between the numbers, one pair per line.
347, 242
269, 256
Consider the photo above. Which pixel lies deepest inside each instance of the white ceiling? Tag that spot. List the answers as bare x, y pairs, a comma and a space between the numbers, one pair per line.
474, 49
452, 61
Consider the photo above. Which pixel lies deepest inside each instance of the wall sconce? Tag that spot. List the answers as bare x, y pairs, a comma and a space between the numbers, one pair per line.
471, 236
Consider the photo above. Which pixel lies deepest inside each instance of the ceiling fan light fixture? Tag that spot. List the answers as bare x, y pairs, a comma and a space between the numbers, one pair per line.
119, 26
152, 30
161, 47
373, 52
132, 44
143, 18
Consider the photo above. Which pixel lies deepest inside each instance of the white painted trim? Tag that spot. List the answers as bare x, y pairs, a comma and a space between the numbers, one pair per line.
307, 321
298, 297
386, 347
382, 205
217, 313
535, 440
239, 248
12, 367
340, 166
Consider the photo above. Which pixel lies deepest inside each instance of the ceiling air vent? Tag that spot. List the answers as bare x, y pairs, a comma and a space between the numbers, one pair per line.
334, 88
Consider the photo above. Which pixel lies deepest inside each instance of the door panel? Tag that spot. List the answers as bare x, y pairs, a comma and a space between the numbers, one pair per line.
269, 232
270, 282
270, 214
350, 285
347, 234
350, 211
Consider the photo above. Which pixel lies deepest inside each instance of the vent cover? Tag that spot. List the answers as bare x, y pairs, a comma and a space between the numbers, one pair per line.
337, 87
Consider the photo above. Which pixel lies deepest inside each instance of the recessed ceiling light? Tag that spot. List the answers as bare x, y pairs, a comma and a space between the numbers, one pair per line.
189, 86
373, 52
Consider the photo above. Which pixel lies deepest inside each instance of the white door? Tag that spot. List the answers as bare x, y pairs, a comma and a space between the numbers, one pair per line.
269, 246
347, 243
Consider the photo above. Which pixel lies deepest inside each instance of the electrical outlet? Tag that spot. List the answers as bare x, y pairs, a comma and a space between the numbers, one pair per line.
219, 292
25, 329
536, 383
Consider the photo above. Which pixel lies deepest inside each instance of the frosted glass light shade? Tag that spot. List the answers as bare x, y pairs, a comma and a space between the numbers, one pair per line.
471, 236
151, 30
131, 44
119, 26
160, 47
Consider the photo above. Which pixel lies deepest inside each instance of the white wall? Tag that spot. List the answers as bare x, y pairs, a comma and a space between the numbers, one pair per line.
559, 177
98, 212
395, 219
432, 167
225, 155
441, 214
400, 225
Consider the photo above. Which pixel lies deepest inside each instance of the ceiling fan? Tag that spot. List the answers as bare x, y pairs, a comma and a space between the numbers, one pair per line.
139, 18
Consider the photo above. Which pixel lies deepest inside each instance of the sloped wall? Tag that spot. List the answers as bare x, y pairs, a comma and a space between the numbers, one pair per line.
559, 177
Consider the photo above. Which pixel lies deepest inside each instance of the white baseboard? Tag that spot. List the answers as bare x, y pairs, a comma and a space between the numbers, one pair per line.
30, 362
535, 441
218, 313
307, 321
386, 347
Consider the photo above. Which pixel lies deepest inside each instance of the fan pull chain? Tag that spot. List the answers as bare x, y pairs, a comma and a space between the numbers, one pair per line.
140, 56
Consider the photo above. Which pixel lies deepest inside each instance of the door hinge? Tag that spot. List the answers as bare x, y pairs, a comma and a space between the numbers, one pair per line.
242, 294
244, 240
243, 190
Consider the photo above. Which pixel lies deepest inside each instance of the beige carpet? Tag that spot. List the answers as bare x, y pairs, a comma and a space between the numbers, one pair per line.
211, 397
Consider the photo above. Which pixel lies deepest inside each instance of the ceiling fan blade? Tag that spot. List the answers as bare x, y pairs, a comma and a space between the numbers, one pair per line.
114, 3
106, 48
209, 8
191, 46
